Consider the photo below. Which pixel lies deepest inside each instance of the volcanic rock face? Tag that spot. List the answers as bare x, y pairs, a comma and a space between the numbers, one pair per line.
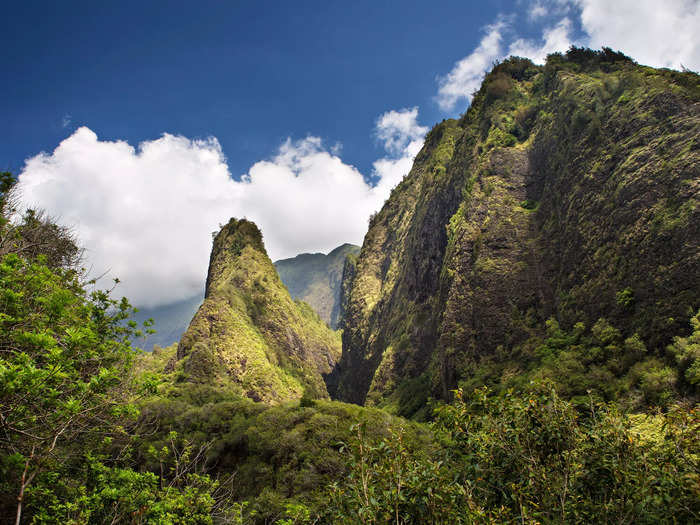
249, 334
568, 191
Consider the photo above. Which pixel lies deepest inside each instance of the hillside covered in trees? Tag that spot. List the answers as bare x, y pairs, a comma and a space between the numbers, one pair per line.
520, 339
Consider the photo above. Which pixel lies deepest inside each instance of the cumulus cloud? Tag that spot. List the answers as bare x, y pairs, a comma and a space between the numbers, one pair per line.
306, 199
660, 34
146, 214
554, 39
402, 138
467, 74
397, 130
542, 9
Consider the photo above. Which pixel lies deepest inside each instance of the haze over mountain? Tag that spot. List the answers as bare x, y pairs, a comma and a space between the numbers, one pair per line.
313, 278
169, 322
316, 278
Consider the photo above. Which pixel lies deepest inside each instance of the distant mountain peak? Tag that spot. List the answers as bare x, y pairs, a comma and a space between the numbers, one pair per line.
316, 279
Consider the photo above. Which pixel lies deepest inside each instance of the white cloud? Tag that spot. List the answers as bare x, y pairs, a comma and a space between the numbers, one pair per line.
397, 129
402, 138
306, 199
537, 10
554, 39
660, 34
540, 9
146, 214
143, 215
467, 74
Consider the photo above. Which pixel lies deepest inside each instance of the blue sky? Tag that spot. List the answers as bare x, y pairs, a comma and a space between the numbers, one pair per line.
250, 74
144, 125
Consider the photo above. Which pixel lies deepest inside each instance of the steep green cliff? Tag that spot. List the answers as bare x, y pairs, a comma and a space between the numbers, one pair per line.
566, 192
249, 335
315, 278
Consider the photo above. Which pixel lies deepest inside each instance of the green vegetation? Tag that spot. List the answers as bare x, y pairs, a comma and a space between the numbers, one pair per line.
528, 459
61, 369
67, 394
686, 353
565, 192
249, 335
283, 456
592, 364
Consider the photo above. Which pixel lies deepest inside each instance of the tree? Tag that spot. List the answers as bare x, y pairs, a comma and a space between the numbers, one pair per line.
686, 351
65, 359
389, 481
32, 233
535, 458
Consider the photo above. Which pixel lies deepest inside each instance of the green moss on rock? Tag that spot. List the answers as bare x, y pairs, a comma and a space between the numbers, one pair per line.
568, 190
249, 334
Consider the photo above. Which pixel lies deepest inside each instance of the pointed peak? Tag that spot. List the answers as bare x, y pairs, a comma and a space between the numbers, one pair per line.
229, 243
237, 234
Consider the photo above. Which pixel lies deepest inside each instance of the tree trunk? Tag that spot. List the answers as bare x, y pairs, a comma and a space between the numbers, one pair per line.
23, 485
20, 498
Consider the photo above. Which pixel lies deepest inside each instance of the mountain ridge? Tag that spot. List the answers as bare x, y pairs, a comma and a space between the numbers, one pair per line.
536, 204
316, 279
